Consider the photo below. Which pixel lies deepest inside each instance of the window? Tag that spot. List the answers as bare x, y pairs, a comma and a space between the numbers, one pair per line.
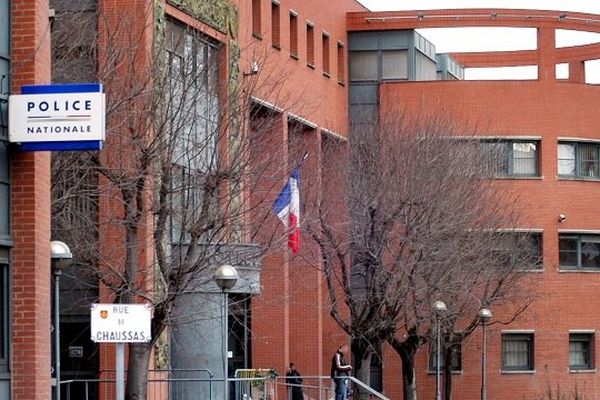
363, 66
394, 64
192, 123
517, 351
579, 251
455, 361
325, 48
341, 62
511, 157
581, 351
256, 22
275, 25
521, 249
579, 160
310, 45
293, 35
4, 311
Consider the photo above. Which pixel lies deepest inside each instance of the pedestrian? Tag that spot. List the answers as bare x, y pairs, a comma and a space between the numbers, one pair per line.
294, 380
340, 369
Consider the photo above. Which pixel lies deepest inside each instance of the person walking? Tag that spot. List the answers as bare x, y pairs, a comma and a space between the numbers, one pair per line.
339, 371
294, 381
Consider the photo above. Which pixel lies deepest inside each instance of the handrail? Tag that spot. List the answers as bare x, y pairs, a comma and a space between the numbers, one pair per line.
367, 388
356, 381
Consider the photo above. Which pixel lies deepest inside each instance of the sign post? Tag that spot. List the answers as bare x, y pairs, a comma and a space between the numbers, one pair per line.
120, 324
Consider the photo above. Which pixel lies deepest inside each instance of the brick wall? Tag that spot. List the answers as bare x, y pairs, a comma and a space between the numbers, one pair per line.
30, 357
563, 301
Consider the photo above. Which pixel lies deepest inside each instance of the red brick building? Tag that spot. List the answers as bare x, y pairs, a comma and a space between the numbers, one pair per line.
314, 54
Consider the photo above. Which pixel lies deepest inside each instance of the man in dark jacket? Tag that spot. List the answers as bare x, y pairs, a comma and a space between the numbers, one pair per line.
294, 381
339, 371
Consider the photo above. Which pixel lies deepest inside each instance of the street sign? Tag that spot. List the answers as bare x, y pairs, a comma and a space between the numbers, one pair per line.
121, 323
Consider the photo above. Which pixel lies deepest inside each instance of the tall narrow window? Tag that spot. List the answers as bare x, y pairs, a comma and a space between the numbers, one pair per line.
310, 45
325, 42
256, 22
275, 25
341, 62
293, 35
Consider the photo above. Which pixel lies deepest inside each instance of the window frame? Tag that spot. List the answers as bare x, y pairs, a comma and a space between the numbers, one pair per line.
341, 63
578, 237
536, 238
5, 316
275, 25
515, 336
257, 19
456, 362
294, 35
193, 66
510, 157
577, 159
310, 44
590, 339
325, 54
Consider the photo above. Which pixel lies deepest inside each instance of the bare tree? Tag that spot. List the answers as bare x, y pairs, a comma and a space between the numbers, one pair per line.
146, 216
421, 223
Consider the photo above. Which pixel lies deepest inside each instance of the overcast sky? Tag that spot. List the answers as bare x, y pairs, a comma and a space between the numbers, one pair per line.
477, 39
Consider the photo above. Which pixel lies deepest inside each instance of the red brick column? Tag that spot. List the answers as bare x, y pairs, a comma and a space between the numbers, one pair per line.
577, 71
546, 48
30, 357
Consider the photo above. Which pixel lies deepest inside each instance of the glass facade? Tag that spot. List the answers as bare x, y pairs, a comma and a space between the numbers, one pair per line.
192, 120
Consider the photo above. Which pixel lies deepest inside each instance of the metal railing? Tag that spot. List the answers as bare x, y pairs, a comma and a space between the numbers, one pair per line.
173, 385
322, 388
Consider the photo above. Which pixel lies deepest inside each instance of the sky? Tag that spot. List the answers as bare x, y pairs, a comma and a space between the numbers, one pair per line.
490, 39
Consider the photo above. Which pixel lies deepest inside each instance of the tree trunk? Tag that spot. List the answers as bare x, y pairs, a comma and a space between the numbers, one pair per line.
409, 381
137, 374
361, 358
406, 350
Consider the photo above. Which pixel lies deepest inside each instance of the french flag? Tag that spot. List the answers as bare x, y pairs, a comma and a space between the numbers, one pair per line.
287, 208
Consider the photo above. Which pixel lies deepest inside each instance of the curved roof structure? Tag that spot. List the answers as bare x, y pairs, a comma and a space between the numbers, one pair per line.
547, 21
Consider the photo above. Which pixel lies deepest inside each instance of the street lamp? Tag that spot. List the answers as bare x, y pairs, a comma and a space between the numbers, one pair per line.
439, 308
225, 277
484, 315
60, 257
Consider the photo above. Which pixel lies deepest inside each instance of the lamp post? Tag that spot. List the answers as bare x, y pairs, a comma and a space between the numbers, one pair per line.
225, 277
60, 256
439, 308
484, 315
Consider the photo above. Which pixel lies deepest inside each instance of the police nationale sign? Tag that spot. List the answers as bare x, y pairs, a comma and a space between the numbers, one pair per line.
121, 323
58, 117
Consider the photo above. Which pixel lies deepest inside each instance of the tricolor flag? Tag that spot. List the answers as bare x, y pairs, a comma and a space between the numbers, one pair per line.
287, 207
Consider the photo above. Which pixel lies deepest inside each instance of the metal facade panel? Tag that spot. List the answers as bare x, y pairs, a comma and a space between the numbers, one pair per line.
4, 28
395, 40
363, 41
364, 94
